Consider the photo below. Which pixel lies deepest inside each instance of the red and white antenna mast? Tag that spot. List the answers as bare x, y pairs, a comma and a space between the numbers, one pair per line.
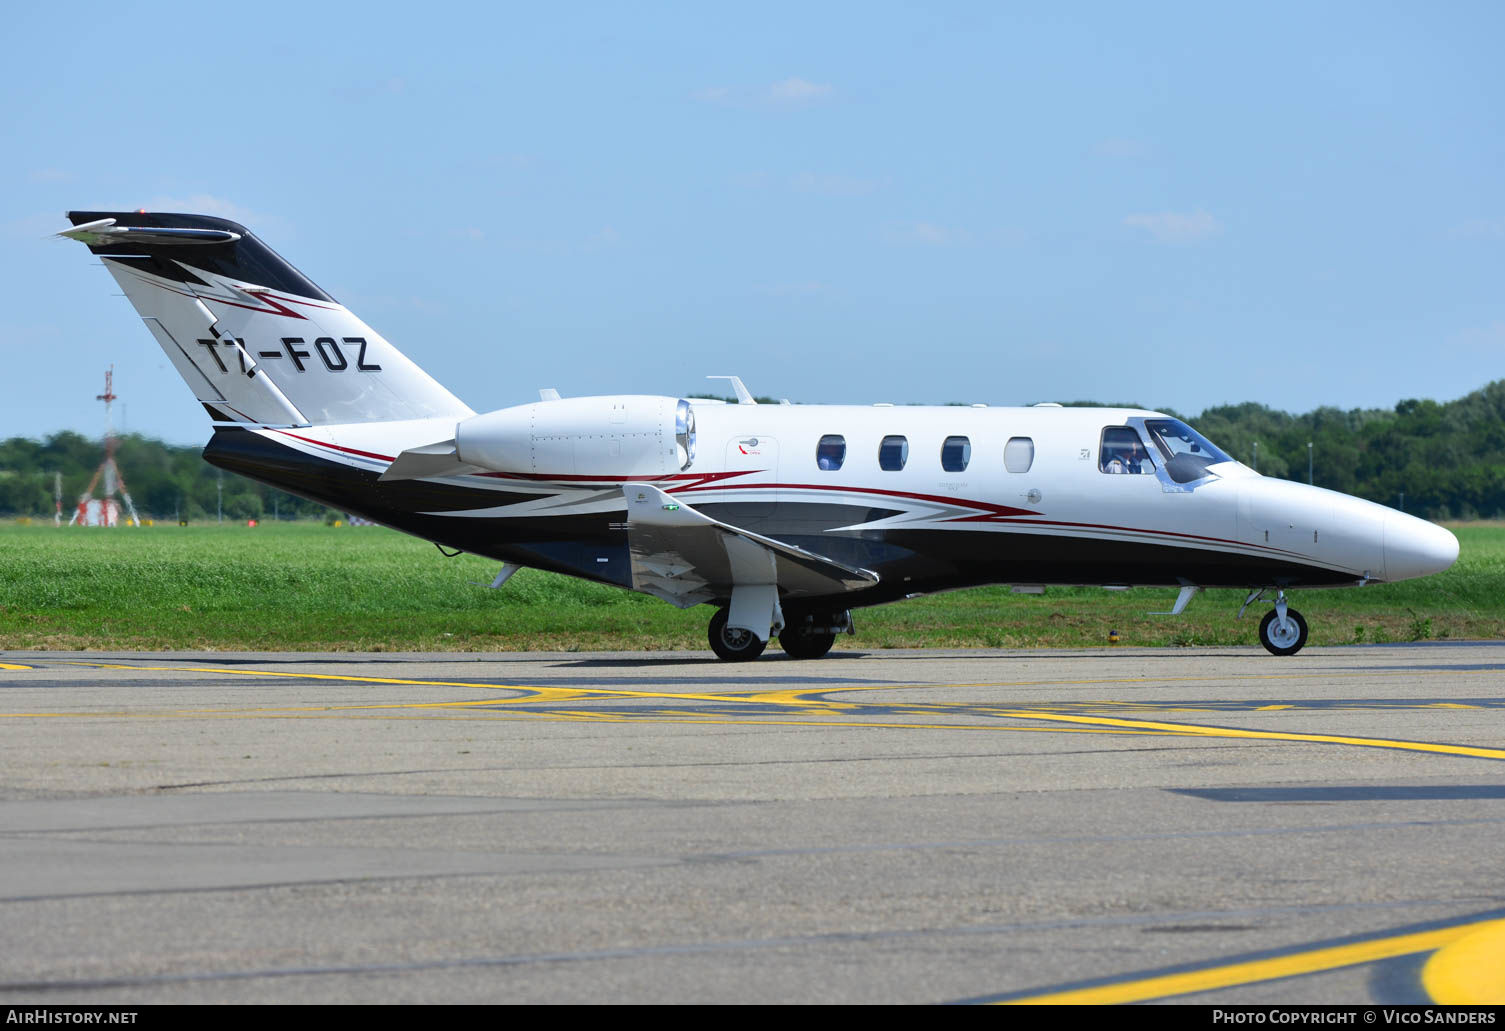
108, 470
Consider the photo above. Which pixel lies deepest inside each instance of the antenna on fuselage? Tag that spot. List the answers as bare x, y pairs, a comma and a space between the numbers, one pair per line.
743, 396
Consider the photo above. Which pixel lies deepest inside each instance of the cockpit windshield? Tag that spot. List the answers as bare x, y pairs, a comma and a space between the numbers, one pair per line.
1187, 453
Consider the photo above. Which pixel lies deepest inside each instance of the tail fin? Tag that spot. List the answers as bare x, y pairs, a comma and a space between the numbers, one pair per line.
253, 338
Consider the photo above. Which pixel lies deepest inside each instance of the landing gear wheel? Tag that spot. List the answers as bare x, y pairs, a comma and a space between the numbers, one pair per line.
800, 642
1282, 641
733, 644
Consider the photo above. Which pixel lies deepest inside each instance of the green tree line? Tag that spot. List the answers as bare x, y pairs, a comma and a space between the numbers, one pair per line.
1438, 460
1447, 459
164, 480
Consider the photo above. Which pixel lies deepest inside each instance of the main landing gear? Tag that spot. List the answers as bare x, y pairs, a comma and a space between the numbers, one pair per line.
1283, 630
800, 642
733, 643
805, 636
811, 635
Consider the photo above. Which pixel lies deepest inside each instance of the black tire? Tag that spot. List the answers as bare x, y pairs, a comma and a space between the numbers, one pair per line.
800, 642
733, 644
1277, 643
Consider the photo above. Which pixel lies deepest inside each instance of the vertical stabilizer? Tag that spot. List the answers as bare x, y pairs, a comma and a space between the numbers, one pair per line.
255, 340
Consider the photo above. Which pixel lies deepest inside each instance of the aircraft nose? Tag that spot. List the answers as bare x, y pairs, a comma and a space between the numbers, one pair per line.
1415, 547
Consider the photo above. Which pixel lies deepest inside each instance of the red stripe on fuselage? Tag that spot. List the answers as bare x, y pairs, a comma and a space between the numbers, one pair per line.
995, 514
691, 479
999, 515
336, 447
990, 510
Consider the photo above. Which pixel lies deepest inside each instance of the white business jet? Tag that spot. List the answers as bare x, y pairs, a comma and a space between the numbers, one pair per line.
783, 518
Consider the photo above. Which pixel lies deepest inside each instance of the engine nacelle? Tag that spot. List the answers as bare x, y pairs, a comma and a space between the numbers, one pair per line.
625, 435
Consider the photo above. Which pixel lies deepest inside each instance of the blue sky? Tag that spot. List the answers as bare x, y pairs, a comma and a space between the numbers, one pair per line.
1180, 204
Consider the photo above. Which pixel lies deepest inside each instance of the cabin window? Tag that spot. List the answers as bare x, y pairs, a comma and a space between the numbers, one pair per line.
956, 453
831, 452
1122, 452
893, 453
1019, 454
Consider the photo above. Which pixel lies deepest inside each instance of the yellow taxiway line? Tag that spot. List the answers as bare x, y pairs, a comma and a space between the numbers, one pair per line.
528, 693
1469, 969
799, 698
1192, 729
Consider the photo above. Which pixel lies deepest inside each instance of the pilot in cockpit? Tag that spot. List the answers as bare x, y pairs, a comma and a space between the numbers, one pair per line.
1125, 457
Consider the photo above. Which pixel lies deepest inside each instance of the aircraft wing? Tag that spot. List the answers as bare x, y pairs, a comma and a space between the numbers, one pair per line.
686, 557
431, 460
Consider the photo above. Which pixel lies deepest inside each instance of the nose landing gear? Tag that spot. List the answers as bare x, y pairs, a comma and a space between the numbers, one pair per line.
1283, 630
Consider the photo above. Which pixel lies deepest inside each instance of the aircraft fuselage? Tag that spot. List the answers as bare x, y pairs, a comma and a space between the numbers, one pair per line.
939, 521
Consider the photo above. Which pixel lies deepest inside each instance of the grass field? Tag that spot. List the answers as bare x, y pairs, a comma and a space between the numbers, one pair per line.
309, 587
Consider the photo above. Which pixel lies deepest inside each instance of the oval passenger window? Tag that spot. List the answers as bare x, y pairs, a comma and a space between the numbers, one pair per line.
893, 453
1019, 454
956, 453
831, 452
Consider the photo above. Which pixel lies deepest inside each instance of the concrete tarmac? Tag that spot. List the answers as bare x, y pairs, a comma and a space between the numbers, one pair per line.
1197, 825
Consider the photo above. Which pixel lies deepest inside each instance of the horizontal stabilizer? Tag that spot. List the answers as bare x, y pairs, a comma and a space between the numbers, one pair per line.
685, 557
428, 462
105, 233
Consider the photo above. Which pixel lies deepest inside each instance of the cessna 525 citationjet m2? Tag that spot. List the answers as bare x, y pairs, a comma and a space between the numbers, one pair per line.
784, 518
